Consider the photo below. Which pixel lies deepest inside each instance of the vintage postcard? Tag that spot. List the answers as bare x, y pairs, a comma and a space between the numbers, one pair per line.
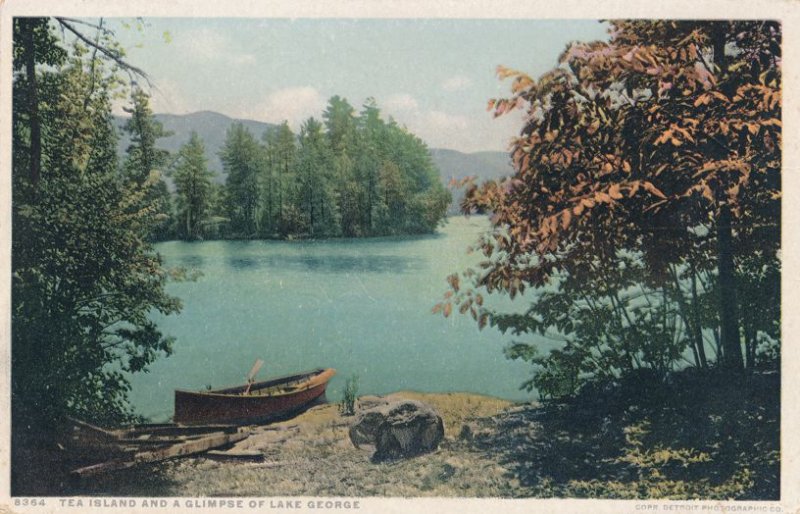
389, 256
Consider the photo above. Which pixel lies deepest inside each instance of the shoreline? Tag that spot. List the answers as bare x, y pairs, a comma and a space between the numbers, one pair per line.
705, 443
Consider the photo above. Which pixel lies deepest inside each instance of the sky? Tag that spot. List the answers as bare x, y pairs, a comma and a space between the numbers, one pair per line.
433, 76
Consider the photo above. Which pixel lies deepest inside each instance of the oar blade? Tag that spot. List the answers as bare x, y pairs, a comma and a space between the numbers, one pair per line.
256, 366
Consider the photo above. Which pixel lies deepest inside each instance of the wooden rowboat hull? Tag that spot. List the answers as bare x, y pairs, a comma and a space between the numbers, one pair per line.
265, 401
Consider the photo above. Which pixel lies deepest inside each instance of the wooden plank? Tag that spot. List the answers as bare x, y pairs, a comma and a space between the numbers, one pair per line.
191, 447
104, 467
172, 429
167, 439
247, 455
183, 449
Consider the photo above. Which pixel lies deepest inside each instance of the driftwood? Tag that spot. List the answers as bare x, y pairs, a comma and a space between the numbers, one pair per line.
127, 447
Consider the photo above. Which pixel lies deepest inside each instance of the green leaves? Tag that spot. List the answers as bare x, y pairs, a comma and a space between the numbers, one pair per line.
85, 278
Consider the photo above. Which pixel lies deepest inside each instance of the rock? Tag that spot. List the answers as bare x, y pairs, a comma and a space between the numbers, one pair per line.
369, 402
398, 429
467, 432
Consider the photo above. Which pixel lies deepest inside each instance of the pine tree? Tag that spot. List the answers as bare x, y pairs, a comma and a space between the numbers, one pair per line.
193, 188
242, 161
145, 162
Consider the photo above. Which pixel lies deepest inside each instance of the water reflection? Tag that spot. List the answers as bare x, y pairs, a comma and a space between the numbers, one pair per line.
240, 263
330, 263
192, 261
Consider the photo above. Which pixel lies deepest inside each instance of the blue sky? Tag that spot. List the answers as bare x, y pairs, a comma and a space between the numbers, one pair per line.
432, 75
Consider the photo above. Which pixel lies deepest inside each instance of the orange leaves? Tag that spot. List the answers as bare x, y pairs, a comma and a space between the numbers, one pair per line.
446, 308
522, 83
677, 134
502, 106
504, 72
566, 217
664, 137
453, 281
551, 135
482, 319
650, 188
703, 99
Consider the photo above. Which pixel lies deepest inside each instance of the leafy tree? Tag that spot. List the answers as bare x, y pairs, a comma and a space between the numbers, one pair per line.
193, 188
241, 159
662, 143
145, 161
84, 279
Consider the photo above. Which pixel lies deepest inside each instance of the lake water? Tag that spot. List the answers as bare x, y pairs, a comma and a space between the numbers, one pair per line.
361, 306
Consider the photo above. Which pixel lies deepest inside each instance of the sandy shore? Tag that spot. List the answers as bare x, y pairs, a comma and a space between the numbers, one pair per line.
311, 455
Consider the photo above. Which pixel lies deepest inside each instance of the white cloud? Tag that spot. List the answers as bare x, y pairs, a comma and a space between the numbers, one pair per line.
401, 102
294, 104
456, 83
467, 132
439, 129
167, 97
439, 120
204, 44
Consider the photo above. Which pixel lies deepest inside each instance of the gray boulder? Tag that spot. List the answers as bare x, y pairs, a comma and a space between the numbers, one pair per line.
398, 429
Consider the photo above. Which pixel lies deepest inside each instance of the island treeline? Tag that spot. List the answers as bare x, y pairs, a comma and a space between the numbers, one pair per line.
347, 175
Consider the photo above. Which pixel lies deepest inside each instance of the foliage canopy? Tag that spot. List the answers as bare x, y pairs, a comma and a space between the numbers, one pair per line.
646, 202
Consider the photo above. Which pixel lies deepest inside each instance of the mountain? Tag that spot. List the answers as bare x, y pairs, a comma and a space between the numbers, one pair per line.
212, 128
481, 165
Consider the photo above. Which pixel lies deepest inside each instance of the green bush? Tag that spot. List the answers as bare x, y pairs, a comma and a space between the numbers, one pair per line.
349, 396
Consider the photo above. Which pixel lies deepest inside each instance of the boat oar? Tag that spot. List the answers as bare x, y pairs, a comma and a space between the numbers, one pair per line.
252, 374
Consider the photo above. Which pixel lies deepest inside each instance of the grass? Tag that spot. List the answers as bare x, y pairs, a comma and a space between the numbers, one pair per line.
706, 436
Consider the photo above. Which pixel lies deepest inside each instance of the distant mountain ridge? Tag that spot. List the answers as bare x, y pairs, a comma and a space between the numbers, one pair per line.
212, 127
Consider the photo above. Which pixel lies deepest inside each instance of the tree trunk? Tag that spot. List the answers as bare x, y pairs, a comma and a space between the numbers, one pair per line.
691, 320
27, 26
729, 322
728, 316
697, 329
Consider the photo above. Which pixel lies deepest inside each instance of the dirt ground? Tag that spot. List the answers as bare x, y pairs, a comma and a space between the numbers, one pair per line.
311, 455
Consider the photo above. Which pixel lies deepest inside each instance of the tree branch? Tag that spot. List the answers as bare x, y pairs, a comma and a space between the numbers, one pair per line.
114, 56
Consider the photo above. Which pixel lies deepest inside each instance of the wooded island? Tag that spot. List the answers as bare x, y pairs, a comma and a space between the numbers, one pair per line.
345, 176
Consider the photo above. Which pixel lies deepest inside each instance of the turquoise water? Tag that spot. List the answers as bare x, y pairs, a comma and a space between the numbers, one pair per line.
358, 305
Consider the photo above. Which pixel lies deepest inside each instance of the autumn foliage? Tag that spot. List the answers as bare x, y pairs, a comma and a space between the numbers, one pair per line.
650, 162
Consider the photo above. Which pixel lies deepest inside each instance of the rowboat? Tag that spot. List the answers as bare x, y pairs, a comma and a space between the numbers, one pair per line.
253, 402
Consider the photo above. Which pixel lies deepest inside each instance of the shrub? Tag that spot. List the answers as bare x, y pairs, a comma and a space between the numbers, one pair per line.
348, 405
